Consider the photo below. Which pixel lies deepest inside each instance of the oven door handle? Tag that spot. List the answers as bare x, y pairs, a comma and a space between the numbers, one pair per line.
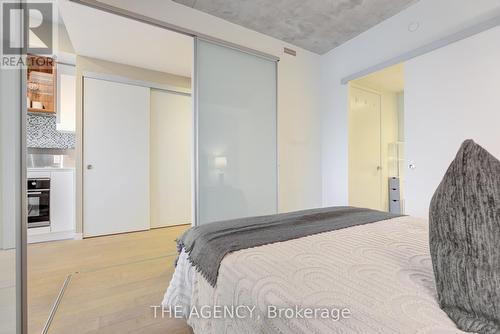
35, 193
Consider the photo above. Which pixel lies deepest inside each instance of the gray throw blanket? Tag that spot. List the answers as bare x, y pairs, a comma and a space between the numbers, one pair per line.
208, 244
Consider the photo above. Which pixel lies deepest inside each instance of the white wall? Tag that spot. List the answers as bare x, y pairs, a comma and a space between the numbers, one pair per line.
451, 95
391, 38
298, 96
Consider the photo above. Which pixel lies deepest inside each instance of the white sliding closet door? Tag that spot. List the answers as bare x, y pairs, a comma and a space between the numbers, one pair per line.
171, 156
116, 157
236, 133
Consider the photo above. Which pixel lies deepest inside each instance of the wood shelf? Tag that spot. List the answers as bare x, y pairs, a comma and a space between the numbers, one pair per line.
44, 111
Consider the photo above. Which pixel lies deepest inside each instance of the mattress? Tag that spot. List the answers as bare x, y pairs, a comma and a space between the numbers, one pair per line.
379, 274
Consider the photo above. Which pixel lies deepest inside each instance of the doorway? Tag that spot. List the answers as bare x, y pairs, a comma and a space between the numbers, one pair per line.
95, 146
376, 140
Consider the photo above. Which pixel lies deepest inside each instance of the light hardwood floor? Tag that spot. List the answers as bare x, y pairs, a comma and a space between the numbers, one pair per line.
7, 291
115, 279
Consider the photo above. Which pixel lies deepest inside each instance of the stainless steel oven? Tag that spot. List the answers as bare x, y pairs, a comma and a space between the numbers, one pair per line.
38, 202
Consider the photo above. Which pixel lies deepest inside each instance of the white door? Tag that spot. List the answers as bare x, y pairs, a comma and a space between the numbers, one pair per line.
171, 156
116, 157
365, 177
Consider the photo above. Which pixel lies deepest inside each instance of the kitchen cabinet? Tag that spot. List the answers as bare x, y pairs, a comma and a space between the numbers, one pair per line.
62, 200
41, 86
66, 98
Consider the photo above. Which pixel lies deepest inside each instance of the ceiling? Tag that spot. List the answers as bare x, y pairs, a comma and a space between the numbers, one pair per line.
98, 34
391, 79
315, 25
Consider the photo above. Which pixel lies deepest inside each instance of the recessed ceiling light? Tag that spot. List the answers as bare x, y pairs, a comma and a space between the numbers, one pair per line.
413, 26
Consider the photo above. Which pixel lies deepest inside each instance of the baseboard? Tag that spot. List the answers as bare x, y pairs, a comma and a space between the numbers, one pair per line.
78, 236
173, 225
53, 236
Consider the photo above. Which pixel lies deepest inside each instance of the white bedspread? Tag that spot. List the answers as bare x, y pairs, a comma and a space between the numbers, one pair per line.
381, 272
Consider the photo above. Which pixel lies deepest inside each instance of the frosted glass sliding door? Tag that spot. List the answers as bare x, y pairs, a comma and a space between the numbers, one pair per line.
235, 114
13, 220
12, 246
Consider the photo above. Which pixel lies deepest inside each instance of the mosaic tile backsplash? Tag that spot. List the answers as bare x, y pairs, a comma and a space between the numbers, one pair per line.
41, 133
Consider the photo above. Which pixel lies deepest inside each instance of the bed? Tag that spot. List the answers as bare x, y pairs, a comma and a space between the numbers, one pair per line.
380, 272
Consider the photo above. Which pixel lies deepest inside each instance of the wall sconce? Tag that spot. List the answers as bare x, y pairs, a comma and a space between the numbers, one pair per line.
220, 163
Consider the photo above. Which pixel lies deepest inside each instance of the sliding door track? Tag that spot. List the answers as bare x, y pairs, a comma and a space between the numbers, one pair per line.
55, 306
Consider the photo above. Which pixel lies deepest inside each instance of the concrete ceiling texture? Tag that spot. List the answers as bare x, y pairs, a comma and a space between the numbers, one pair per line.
315, 25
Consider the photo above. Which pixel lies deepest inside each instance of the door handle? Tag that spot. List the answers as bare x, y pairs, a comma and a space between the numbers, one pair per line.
90, 166
379, 168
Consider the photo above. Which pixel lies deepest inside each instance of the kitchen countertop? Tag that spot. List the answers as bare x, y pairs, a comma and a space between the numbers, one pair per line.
50, 169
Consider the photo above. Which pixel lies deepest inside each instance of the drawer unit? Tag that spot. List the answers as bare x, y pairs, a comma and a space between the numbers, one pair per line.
394, 195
